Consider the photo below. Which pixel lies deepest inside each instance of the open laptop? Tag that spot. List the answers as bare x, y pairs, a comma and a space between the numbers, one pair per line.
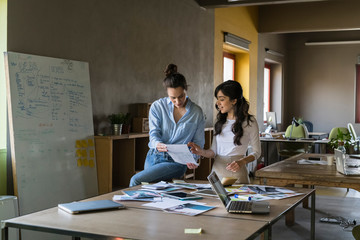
342, 165
236, 206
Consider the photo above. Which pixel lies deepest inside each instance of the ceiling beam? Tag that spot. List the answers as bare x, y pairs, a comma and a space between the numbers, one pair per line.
239, 3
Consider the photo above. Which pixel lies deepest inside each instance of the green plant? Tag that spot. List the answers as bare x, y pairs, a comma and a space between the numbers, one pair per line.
119, 118
341, 137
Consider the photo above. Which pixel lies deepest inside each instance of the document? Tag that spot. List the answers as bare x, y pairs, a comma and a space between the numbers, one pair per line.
181, 153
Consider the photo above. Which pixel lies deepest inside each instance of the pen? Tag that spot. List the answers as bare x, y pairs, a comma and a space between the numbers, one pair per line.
236, 196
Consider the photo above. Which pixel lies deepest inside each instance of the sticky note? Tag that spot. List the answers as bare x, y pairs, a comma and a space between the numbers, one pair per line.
78, 152
144, 183
83, 143
79, 162
90, 143
85, 162
84, 153
91, 153
91, 163
193, 230
78, 144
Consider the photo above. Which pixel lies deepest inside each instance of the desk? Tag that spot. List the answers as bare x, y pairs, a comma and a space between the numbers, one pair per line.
267, 141
288, 172
139, 222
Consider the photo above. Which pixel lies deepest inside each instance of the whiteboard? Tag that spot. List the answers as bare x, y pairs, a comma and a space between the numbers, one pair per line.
51, 130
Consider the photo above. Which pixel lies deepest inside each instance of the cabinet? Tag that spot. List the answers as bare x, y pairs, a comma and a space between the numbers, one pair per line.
118, 158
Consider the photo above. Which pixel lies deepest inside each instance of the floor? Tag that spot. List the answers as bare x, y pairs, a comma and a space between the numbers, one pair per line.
337, 192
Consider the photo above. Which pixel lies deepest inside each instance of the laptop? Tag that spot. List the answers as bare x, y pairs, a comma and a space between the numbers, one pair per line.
236, 206
343, 165
89, 206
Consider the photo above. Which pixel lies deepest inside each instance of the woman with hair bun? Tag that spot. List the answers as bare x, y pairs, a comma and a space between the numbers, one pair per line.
172, 120
235, 130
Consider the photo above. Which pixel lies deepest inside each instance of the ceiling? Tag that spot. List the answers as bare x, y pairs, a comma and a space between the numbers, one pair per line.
237, 3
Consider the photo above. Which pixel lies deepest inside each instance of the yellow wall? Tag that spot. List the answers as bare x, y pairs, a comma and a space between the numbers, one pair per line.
242, 22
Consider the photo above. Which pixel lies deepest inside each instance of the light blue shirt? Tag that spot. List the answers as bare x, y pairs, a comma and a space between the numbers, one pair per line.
164, 129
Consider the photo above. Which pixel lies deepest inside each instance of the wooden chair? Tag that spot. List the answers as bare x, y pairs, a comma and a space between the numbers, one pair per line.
356, 232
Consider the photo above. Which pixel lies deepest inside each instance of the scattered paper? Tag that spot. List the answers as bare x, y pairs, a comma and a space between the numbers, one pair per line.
169, 203
307, 161
189, 209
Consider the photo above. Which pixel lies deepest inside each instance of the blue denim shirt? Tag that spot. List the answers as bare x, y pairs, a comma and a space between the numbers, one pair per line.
164, 129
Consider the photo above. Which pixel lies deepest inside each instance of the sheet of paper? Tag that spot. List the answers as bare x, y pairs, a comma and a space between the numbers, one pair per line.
180, 153
169, 203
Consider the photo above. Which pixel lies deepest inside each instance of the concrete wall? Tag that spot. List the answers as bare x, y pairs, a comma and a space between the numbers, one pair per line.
127, 43
278, 43
320, 84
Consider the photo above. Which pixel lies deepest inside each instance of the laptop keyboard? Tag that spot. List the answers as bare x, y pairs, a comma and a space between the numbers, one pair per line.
240, 206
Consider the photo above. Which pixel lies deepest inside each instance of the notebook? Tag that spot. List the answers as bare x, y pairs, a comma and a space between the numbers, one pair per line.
236, 206
80, 207
342, 166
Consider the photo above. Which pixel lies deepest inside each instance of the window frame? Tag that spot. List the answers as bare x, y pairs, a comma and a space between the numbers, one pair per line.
232, 57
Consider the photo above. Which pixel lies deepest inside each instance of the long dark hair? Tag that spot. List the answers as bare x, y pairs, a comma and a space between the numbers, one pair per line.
174, 79
233, 90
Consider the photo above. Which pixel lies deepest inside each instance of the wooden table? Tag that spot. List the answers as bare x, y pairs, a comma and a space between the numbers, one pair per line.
288, 172
139, 222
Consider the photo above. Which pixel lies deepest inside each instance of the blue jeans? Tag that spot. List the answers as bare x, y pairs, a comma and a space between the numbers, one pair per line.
159, 166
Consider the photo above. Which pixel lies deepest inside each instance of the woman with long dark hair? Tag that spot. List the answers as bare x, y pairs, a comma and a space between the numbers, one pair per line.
172, 120
235, 131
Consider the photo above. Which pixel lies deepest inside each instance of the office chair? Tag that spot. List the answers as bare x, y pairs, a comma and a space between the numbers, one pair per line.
309, 125
285, 149
334, 132
354, 137
352, 132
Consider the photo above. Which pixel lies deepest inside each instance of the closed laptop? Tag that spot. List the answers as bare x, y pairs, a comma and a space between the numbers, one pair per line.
89, 206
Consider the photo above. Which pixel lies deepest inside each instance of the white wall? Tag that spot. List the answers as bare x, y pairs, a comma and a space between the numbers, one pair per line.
3, 42
321, 80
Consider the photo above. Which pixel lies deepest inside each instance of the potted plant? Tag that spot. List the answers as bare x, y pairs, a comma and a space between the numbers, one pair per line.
344, 138
116, 120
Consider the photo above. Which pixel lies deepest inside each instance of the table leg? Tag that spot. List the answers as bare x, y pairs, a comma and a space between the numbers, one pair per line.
312, 226
267, 233
290, 217
4, 232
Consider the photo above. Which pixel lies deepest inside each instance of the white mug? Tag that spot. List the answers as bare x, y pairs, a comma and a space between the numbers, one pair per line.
330, 160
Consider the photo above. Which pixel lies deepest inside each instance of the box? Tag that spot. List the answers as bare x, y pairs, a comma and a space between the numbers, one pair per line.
140, 125
142, 110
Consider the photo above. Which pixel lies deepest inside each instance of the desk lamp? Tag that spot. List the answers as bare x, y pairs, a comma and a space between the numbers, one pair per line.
293, 122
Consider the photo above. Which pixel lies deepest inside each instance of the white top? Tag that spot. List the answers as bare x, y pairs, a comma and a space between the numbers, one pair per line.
223, 143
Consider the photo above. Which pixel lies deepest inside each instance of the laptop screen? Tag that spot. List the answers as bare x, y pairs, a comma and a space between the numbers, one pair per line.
218, 188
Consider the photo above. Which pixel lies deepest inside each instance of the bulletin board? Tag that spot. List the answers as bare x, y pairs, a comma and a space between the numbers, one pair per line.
51, 130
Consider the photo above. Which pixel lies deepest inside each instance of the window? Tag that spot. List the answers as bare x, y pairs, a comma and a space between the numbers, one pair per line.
229, 66
357, 96
266, 106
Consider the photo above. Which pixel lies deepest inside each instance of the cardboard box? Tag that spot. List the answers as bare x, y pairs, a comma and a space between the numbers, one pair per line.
142, 110
140, 125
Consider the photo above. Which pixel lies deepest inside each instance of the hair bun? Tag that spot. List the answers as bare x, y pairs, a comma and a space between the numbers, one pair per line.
170, 69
